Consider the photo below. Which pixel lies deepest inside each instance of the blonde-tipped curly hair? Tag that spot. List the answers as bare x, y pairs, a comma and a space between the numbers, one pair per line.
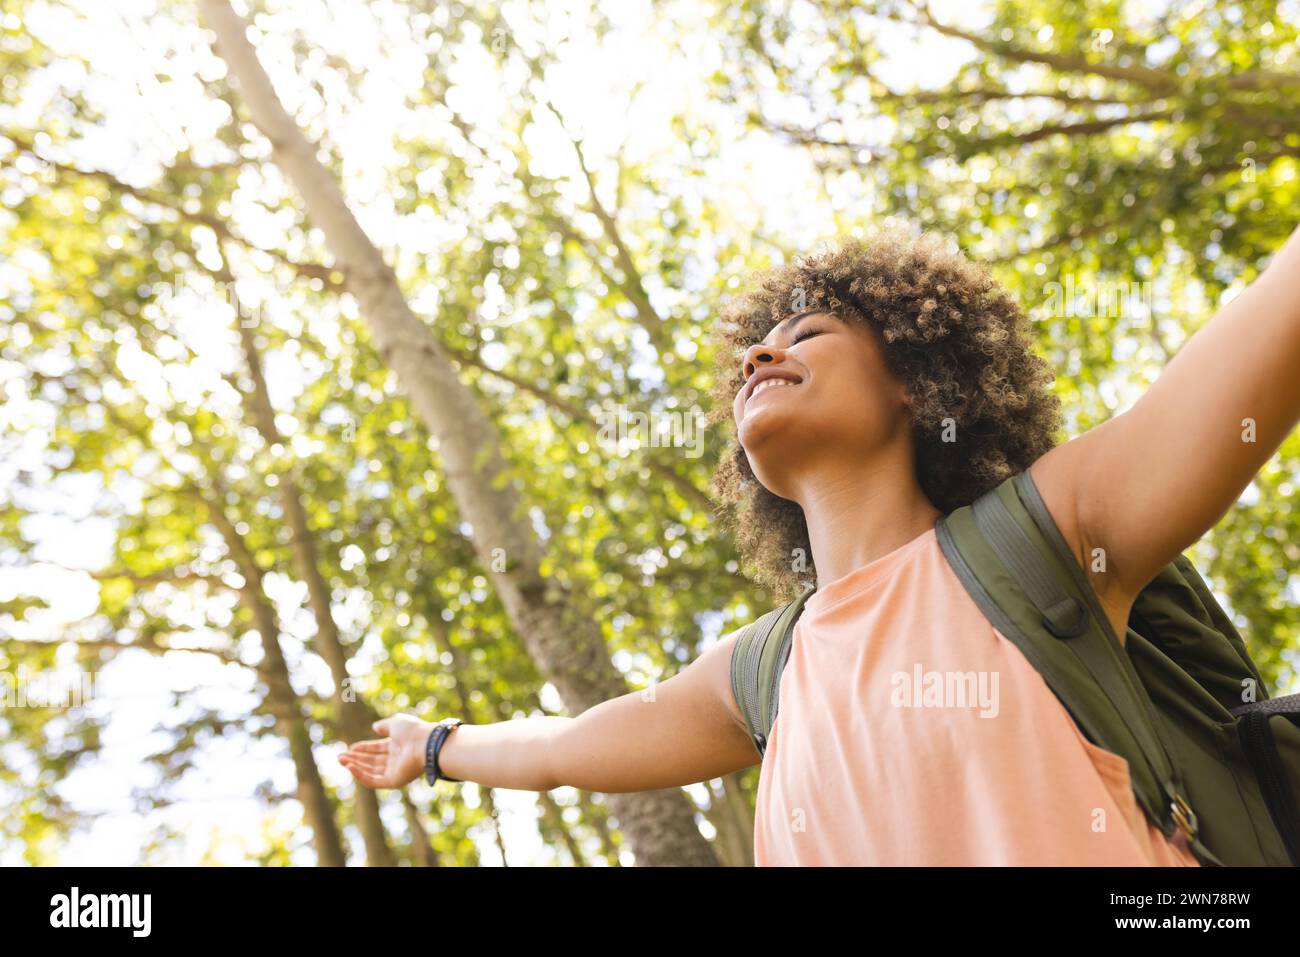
955, 337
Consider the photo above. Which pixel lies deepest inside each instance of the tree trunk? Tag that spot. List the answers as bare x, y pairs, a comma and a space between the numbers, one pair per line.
422, 852
494, 814
353, 716
730, 815
552, 821
283, 701
597, 817
567, 647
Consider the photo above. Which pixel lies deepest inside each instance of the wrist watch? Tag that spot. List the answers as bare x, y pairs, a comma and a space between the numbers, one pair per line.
436, 737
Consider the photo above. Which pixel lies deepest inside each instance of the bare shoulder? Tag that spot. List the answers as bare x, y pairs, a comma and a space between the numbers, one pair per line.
1060, 477
1055, 475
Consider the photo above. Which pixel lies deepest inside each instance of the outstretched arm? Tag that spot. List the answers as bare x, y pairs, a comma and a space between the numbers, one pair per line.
1149, 482
684, 730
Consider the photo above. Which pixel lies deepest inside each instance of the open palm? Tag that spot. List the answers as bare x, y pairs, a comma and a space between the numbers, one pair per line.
395, 759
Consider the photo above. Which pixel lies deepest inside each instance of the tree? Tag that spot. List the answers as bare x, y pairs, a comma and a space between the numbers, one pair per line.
560, 638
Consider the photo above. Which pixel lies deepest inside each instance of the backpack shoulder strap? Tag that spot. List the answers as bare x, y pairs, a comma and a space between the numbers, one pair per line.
757, 660
1014, 562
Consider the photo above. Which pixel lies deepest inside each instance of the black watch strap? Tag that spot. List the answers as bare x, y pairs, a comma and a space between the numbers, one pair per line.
437, 736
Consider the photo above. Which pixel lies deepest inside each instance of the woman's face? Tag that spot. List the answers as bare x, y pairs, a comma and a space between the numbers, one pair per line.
816, 389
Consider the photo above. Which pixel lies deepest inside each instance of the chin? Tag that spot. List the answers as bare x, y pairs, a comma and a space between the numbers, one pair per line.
768, 445
757, 437
774, 424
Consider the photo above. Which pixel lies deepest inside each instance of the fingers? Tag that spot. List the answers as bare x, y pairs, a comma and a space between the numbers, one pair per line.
376, 765
369, 761
369, 771
357, 756
365, 777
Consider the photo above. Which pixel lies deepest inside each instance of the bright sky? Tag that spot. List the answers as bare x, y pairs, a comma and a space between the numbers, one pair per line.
756, 184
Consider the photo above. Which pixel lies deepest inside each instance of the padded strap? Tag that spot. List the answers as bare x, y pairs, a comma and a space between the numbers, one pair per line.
1062, 615
1041, 600
746, 660
783, 635
757, 660
1102, 659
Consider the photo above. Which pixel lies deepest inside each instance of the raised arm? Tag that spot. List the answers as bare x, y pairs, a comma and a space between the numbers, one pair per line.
1149, 482
684, 730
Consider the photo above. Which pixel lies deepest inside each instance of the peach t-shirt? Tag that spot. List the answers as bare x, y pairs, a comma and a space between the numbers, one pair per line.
982, 765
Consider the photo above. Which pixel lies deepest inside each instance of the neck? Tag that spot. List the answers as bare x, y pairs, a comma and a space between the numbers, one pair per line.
856, 515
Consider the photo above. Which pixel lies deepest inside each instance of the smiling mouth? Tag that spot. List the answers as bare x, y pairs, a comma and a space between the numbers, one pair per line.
768, 385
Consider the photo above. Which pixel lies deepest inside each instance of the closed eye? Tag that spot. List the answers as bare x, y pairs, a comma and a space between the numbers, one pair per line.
807, 334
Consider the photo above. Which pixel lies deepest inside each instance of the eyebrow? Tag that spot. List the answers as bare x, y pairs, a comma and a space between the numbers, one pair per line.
790, 322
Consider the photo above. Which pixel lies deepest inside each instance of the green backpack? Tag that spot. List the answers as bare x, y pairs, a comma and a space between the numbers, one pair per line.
1170, 701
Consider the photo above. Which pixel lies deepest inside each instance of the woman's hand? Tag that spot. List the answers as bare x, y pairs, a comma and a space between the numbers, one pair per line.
396, 759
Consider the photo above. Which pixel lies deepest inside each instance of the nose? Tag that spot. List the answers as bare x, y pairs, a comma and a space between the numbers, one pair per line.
759, 354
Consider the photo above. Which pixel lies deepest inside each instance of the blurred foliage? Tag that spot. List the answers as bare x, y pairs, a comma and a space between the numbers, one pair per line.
1070, 144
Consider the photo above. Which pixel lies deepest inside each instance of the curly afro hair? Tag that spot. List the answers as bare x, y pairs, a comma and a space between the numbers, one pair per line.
956, 338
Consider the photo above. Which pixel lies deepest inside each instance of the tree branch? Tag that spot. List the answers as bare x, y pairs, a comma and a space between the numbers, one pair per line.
219, 226
167, 576
633, 285
1064, 63
1082, 128
1154, 79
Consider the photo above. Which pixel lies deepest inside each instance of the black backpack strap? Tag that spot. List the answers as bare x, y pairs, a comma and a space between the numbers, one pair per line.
1260, 744
757, 660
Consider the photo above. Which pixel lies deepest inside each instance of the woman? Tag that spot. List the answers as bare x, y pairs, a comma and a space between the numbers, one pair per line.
874, 388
